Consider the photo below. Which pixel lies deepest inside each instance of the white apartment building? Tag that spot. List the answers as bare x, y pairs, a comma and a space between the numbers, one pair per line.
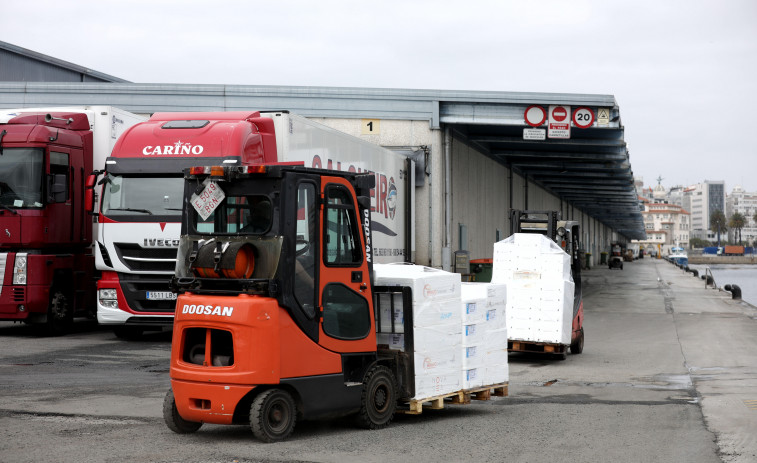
744, 203
700, 200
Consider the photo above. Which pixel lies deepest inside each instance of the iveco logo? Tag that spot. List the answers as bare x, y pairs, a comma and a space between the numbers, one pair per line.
160, 243
177, 148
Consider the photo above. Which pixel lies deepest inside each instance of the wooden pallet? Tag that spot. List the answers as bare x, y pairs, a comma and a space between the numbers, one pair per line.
536, 347
462, 397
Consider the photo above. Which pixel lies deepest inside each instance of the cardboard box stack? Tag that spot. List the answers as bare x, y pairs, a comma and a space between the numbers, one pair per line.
437, 325
539, 288
485, 356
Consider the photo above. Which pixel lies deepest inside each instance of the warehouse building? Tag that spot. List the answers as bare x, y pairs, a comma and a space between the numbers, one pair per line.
476, 155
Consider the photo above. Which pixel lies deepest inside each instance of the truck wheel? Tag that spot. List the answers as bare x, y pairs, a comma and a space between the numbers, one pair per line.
379, 398
60, 315
173, 420
273, 415
577, 346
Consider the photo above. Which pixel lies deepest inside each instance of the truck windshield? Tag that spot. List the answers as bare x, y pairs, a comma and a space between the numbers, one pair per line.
21, 174
143, 196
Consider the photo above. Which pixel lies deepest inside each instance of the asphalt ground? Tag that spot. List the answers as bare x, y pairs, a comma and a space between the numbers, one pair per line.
668, 374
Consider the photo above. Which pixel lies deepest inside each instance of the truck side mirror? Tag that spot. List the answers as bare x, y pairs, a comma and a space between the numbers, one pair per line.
89, 193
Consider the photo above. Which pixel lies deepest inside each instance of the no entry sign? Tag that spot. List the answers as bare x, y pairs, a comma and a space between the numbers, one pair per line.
559, 122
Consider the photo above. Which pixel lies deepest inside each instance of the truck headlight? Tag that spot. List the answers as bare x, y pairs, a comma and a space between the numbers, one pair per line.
108, 298
19, 269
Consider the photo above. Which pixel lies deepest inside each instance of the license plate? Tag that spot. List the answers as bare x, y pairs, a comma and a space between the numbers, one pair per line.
161, 296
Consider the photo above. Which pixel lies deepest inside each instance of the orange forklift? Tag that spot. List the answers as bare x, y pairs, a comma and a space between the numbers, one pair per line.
275, 316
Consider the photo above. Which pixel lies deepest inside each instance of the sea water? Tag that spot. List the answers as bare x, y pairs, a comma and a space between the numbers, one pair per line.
742, 275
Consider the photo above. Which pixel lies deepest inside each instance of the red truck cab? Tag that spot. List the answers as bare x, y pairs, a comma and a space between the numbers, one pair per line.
46, 259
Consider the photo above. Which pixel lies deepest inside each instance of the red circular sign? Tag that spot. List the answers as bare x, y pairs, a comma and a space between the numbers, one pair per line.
535, 115
559, 114
583, 117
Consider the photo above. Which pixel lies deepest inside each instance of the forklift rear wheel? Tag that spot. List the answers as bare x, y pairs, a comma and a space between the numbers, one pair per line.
379, 398
273, 415
577, 346
173, 420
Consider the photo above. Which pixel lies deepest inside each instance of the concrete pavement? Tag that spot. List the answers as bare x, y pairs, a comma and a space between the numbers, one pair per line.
668, 374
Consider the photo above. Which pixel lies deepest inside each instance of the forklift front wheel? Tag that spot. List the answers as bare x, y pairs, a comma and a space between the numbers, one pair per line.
173, 420
273, 415
379, 398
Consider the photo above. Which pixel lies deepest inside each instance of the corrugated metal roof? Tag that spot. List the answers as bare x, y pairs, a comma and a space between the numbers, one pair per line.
591, 170
20, 64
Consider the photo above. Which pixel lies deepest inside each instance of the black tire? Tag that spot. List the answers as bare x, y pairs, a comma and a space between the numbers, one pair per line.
60, 314
273, 415
560, 355
173, 420
379, 398
577, 346
128, 333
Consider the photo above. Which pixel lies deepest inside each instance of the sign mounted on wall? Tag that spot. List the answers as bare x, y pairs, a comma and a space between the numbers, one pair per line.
559, 122
583, 117
603, 116
535, 115
534, 134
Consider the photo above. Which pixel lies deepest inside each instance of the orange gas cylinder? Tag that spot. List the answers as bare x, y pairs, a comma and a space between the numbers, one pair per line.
237, 260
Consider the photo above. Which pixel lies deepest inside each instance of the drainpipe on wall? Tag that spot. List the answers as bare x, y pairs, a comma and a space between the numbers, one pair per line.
447, 250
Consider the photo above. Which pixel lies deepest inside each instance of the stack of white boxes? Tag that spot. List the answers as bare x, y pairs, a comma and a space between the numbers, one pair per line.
539, 288
437, 325
485, 352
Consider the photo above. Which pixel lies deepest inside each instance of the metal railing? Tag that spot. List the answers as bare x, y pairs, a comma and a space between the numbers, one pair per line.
709, 280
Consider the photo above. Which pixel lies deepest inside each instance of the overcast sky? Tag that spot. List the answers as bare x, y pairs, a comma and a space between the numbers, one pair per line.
682, 72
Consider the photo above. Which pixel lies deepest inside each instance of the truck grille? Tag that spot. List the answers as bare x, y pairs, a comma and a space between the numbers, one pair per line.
141, 259
135, 288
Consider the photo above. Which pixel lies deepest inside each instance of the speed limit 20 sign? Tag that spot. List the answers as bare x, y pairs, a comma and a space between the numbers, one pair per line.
583, 117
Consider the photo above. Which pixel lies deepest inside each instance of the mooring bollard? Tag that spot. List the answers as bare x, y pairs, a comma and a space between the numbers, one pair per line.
735, 291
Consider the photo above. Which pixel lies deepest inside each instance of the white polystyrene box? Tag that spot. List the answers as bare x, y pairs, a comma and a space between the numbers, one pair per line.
473, 333
440, 383
473, 356
437, 337
428, 284
496, 338
473, 377
528, 255
426, 339
424, 314
432, 362
473, 310
496, 318
482, 291
496, 356
497, 374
